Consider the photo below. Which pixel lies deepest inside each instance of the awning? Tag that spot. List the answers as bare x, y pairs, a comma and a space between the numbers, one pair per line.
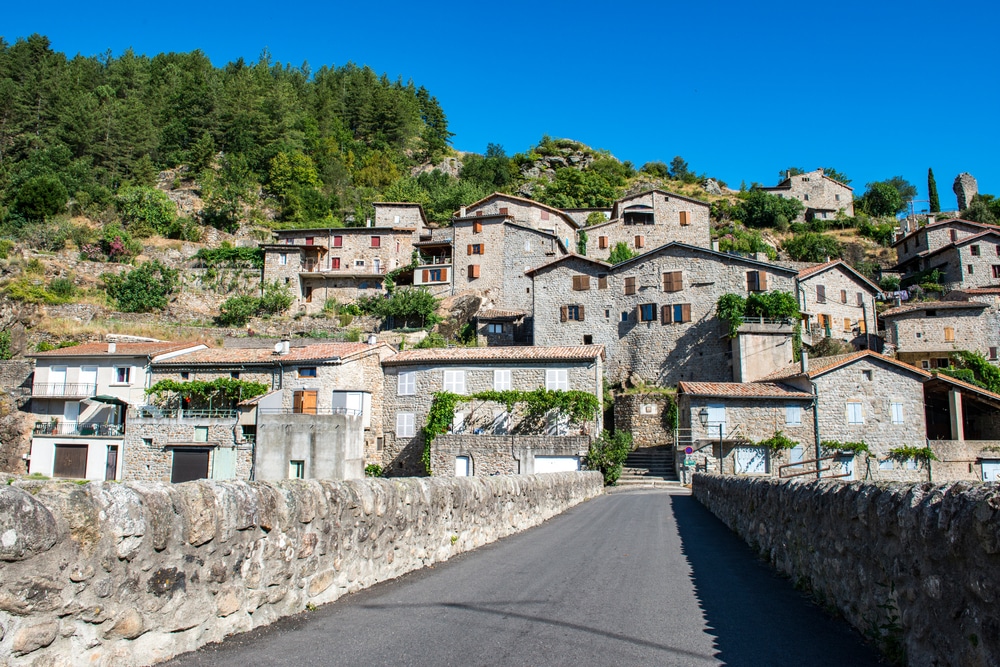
110, 400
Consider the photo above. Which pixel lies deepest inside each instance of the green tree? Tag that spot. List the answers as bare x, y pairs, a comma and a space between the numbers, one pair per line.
881, 199
620, 253
812, 247
982, 208
839, 176
145, 289
40, 197
413, 306
679, 170
144, 210
656, 169
932, 193
758, 208
495, 170
607, 453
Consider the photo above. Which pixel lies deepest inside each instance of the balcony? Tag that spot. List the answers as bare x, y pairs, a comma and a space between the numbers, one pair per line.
317, 267
155, 412
434, 260
63, 390
85, 429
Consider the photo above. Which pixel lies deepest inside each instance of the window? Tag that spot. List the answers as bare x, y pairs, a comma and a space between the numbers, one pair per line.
588, 339
867, 375
954, 235
647, 312
458, 423
861, 299
843, 296
673, 281
359, 263
545, 215
405, 425
975, 250
147, 442
931, 313
847, 324
308, 293
820, 293
602, 242
806, 197
885, 464
855, 413
925, 364
185, 375
793, 415
996, 269
571, 313
640, 241
504, 210
477, 227
494, 328
942, 362
310, 240
678, 312
282, 259
122, 374
501, 380
296, 470
581, 283
434, 275
607, 313
473, 270
454, 381
685, 218
335, 263
602, 282
837, 197
896, 412
630, 285
557, 379
376, 241
756, 281
993, 354
949, 334
406, 383
624, 316
201, 434
476, 248
972, 269
338, 241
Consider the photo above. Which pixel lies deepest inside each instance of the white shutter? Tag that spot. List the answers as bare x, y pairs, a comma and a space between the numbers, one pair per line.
557, 379
716, 418
405, 425
897, 412
855, 415
793, 415
501, 381
454, 381
407, 383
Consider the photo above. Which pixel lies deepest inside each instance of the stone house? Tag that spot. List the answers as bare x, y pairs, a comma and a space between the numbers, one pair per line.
925, 333
485, 438
289, 432
435, 268
822, 196
967, 254
654, 314
525, 212
80, 396
963, 429
932, 236
648, 220
343, 263
836, 301
580, 216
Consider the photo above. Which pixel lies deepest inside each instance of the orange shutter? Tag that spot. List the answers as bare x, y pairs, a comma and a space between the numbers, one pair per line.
473, 270
427, 275
685, 220
602, 242
580, 312
685, 312
477, 227
666, 314
762, 281
602, 282
563, 316
470, 248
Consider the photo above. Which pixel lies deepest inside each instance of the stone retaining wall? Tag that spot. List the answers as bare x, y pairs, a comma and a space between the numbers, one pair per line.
927, 553
123, 574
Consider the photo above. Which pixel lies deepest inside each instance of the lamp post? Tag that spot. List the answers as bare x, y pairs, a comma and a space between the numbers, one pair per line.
703, 418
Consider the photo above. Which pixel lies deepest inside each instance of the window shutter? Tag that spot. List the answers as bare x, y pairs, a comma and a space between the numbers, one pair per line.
668, 282
762, 281
482, 248
563, 313
954, 235
861, 299
503, 210
685, 219
444, 274
602, 282
477, 227
685, 312
585, 282
751, 281
843, 296
666, 314
821, 293
427, 275
473, 270
602, 242
580, 311
640, 241
576, 283
470, 248
630, 285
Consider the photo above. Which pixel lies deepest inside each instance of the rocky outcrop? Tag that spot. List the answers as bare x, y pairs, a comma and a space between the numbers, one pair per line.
965, 188
129, 574
712, 187
904, 563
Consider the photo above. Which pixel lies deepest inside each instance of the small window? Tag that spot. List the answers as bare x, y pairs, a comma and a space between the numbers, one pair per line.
993, 354
335, 263
296, 470
494, 328
147, 442
975, 250
376, 241
867, 375
477, 227
235, 375
201, 434
557, 379
885, 464
123, 374
359, 263
624, 316
473, 270
996, 269
476, 248
793, 415
949, 334
545, 215
972, 269
406, 383
855, 413
861, 299
572, 313
896, 412
847, 324
338, 241
602, 282
843, 296
836, 197
673, 281
756, 281
925, 364
647, 312
454, 381
581, 283
405, 425
931, 313
685, 218
607, 313
588, 339
954, 235
602, 242
820, 293
501, 380
806, 197
282, 259
310, 240
630, 285
640, 241
185, 375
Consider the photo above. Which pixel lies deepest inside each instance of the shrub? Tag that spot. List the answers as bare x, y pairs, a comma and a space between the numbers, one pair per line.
6, 245
740, 240
144, 289
774, 305
407, 306
758, 208
41, 197
373, 470
882, 233
431, 340
778, 442
116, 245
228, 255
145, 211
620, 253
812, 247
5, 350
607, 454
63, 288
276, 299
237, 311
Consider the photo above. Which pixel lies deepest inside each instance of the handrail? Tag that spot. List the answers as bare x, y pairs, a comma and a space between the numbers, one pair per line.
781, 468
63, 389
311, 411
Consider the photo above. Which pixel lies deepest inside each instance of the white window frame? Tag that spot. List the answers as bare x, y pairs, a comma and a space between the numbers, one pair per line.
454, 381
502, 380
406, 383
297, 469
458, 423
885, 464
793, 415
557, 379
128, 374
896, 412
858, 416
282, 259
405, 425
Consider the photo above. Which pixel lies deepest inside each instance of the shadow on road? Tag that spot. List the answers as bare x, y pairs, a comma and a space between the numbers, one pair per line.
755, 616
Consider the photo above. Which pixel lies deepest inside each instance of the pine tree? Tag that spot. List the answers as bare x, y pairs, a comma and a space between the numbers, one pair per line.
932, 193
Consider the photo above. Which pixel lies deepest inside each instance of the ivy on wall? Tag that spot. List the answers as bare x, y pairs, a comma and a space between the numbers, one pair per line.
224, 389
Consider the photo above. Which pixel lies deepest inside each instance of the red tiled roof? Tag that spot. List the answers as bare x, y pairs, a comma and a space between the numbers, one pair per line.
500, 314
121, 350
819, 268
228, 356
821, 365
742, 389
485, 354
931, 305
939, 223
966, 385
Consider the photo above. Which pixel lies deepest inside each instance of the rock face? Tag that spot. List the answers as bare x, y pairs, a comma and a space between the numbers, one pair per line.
712, 187
916, 551
108, 573
965, 188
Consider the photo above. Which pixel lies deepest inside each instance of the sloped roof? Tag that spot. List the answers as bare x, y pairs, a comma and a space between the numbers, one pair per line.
121, 350
820, 268
500, 314
692, 200
781, 184
821, 365
950, 246
532, 202
962, 384
446, 355
941, 223
266, 356
931, 305
568, 255
408, 204
742, 390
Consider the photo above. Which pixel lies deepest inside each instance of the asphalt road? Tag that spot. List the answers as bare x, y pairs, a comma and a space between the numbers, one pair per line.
636, 578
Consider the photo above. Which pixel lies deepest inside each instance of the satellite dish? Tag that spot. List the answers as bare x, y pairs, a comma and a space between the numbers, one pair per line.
277, 348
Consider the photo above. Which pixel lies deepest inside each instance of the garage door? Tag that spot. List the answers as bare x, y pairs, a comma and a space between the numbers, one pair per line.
189, 465
557, 464
751, 460
991, 470
71, 461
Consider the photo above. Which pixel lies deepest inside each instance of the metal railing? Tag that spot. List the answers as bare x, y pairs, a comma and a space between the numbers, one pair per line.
433, 260
155, 412
63, 389
94, 429
318, 268
819, 468
310, 411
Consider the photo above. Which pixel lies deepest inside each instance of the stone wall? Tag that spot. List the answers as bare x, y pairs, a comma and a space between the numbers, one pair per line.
847, 303
136, 573
502, 454
919, 336
872, 551
816, 191
667, 210
645, 416
16, 374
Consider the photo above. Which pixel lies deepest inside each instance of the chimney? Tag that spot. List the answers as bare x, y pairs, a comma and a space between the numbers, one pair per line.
715, 246
285, 346
368, 222
112, 347
804, 362
372, 339
461, 212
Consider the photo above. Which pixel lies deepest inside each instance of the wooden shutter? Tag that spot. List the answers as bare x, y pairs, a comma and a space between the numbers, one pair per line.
685, 218
954, 235
685, 312
751, 281
427, 275
503, 210
843, 296
581, 283
630, 285
821, 293
602, 282
563, 313
444, 274
473, 270
640, 241
861, 299
470, 248
847, 324
482, 248
479, 213
579, 310
762, 281
477, 227
666, 314
602, 242
673, 281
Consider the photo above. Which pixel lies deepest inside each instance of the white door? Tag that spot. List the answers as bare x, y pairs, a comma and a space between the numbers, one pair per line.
846, 467
797, 454
88, 379
71, 411
461, 466
556, 464
57, 381
991, 470
751, 460
377, 265
716, 419
224, 463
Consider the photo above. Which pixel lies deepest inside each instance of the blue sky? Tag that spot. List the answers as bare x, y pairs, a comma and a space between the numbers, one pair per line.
741, 90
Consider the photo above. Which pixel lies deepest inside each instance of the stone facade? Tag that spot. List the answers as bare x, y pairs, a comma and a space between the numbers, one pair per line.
821, 196
150, 443
838, 302
906, 558
657, 351
646, 417
649, 220
503, 454
966, 189
925, 334
972, 262
525, 212
408, 399
129, 573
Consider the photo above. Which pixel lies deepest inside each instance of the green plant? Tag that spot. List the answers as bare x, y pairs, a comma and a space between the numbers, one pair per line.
353, 335
6, 245
407, 306
64, 288
144, 289
922, 454
34, 266
144, 210
620, 253
855, 448
373, 470
220, 389
778, 442
236, 311
431, 340
607, 453
228, 255
984, 373
5, 350
454, 539
812, 247
731, 308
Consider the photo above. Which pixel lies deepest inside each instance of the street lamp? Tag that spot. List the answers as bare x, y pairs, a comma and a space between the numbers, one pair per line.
703, 418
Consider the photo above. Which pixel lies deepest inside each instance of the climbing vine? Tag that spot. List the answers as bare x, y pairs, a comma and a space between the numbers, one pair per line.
578, 406
778, 442
903, 454
230, 389
853, 447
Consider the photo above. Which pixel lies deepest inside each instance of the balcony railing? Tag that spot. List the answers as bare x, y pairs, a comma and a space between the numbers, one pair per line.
155, 412
432, 260
319, 268
63, 389
309, 411
85, 429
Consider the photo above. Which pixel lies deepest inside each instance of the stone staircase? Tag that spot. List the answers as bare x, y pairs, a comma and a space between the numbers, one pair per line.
650, 467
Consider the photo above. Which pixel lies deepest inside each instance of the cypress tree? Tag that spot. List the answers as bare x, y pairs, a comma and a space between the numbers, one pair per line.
932, 194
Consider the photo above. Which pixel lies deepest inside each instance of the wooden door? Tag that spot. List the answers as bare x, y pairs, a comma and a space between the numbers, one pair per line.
111, 469
71, 461
304, 402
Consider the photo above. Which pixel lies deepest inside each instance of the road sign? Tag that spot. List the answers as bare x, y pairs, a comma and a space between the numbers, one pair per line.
689, 461
688, 450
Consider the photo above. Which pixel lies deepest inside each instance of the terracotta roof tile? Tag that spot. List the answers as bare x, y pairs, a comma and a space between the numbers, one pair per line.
931, 305
820, 365
966, 385
266, 356
939, 223
500, 314
121, 350
819, 268
742, 389
487, 354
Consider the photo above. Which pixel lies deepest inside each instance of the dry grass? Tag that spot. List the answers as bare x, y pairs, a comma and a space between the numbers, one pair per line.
62, 327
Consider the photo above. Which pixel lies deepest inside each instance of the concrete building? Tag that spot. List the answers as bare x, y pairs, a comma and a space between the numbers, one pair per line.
822, 196
648, 220
654, 314
485, 437
80, 397
925, 333
291, 431
836, 301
